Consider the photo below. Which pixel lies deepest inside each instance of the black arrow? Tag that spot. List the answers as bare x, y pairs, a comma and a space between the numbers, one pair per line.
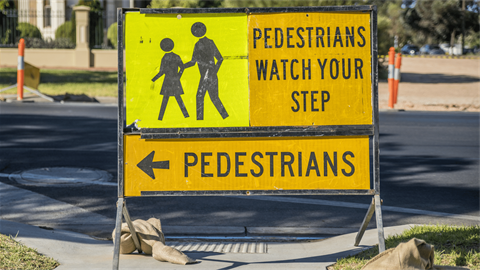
147, 165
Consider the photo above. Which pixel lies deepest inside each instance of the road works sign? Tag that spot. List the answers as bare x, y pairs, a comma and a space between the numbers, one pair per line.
248, 101
248, 69
265, 101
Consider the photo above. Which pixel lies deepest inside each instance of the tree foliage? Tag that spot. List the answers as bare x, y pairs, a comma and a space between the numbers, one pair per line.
28, 30
175, 3
93, 4
185, 3
286, 3
473, 39
7, 4
440, 21
385, 40
112, 34
411, 21
66, 30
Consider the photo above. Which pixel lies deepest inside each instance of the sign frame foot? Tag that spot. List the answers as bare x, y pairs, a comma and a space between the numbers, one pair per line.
365, 222
375, 206
116, 239
122, 211
378, 215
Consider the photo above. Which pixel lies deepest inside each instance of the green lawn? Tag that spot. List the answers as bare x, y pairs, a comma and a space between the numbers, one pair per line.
14, 255
58, 82
454, 246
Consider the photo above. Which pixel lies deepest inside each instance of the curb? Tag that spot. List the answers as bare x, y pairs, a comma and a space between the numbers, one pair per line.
437, 56
391, 110
237, 230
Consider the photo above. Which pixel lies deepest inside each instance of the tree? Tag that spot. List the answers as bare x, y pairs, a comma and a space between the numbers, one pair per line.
209, 3
287, 3
7, 4
440, 21
174, 3
385, 40
93, 4
472, 39
185, 3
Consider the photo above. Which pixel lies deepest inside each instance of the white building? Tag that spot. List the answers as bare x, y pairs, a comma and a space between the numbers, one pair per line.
48, 15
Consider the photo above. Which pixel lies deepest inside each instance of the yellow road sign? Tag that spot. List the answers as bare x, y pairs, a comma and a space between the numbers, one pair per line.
32, 76
186, 70
226, 70
245, 164
310, 68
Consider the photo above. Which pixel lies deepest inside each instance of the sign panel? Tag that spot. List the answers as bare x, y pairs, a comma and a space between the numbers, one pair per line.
239, 70
310, 68
246, 164
32, 76
186, 70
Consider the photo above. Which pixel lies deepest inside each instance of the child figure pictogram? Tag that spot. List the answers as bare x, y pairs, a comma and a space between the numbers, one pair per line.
172, 67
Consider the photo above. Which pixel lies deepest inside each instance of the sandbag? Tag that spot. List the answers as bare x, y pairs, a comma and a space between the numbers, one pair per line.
415, 254
152, 242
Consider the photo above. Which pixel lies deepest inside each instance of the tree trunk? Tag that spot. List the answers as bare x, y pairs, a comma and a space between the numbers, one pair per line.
452, 39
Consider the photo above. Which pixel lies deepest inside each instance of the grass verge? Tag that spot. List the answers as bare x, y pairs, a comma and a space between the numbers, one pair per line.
54, 82
14, 255
454, 246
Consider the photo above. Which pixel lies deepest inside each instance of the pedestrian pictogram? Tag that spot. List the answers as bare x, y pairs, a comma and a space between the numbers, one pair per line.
172, 67
209, 60
193, 72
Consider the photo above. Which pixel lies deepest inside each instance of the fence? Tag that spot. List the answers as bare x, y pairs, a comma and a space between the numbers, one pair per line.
98, 31
49, 29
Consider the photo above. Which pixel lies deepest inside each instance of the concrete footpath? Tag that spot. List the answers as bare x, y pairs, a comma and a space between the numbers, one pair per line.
39, 222
79, 251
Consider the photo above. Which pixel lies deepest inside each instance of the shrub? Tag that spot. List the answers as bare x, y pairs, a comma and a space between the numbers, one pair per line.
58, 43
112, 34
28, 30
66, 31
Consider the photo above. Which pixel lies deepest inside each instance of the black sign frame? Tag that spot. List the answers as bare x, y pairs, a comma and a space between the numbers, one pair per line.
250, 132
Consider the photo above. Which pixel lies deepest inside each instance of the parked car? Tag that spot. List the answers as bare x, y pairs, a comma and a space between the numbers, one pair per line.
410, 49
444, 46
468, 50
429, 48
437, 52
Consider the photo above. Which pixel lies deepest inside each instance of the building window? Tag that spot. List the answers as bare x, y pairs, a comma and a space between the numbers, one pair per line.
68, 12
47, 14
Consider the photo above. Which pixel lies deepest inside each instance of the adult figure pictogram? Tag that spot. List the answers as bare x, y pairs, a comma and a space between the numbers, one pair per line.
204, 54
172, 67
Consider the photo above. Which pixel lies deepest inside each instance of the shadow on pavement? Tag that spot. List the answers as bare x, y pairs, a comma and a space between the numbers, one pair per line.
437, 78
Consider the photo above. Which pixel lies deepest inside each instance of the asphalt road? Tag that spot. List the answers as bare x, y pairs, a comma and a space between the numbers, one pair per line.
429, 161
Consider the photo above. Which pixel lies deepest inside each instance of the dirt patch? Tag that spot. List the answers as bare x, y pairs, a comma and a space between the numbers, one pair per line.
431, 84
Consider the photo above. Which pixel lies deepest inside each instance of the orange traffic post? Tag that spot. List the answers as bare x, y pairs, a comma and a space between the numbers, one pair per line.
20, 68
391, 70
396, 76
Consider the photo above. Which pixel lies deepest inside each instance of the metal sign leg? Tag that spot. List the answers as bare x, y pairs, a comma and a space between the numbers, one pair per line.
7, 88
118, 231
365, 222
122, 209
375, 206
378, 214
136, 241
